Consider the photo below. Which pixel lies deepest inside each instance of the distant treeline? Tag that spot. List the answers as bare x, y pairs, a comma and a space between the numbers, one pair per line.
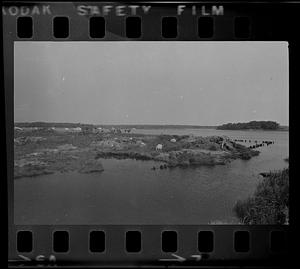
137, 126
261, 125
49, 124
265, 125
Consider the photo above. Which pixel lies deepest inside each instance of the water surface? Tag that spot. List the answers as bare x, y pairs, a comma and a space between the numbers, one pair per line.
129, 192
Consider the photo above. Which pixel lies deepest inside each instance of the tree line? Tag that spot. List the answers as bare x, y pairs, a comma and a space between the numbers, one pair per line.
264, 125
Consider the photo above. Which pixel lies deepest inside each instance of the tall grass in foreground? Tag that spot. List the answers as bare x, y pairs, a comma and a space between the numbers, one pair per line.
270, 202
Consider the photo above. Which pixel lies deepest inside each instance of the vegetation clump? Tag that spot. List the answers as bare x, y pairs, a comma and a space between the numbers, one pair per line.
270, 202
260, 125
37, 152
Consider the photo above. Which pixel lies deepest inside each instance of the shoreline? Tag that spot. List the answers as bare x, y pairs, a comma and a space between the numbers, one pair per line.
139, 126
47, 152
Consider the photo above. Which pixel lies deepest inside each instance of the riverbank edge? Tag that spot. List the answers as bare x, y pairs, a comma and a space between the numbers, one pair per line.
270, 202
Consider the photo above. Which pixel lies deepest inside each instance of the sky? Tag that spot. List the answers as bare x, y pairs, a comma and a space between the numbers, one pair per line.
197, 83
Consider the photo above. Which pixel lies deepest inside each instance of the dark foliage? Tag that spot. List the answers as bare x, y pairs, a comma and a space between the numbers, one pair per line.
262, 125
270, 202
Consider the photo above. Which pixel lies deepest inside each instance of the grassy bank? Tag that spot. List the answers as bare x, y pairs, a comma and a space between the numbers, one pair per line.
38, 152
270, 202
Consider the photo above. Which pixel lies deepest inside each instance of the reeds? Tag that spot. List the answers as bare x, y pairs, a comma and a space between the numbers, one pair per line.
270, 202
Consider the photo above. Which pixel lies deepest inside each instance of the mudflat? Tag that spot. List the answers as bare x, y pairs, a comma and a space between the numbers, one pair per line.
39, 152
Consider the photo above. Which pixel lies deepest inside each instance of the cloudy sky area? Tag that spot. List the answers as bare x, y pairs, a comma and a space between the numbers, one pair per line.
199, 83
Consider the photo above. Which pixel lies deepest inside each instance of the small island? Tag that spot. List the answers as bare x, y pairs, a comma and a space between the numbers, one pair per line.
253, 125
47, 150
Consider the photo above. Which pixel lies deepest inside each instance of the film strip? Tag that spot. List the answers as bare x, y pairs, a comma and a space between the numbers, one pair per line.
140, 245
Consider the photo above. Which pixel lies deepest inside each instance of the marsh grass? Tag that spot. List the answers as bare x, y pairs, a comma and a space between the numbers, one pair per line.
270, 202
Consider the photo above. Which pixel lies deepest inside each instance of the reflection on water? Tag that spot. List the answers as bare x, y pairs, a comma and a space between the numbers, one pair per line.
129, 192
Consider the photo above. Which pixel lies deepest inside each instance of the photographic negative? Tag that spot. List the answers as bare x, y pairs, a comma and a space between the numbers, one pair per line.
151, 133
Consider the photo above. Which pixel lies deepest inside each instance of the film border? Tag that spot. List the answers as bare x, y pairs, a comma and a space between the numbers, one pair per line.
265, 27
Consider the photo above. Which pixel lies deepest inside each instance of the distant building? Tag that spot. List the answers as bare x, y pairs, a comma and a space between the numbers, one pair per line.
76, 129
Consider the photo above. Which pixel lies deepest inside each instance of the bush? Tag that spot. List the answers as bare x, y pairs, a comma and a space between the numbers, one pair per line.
270, 202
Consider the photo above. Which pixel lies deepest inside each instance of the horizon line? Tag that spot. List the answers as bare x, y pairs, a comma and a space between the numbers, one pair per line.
129, 124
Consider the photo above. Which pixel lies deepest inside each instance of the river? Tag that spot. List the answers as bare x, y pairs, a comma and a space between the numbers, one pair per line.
129, 192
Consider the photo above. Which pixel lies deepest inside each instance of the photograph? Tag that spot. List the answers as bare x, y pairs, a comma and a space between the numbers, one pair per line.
151, 133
